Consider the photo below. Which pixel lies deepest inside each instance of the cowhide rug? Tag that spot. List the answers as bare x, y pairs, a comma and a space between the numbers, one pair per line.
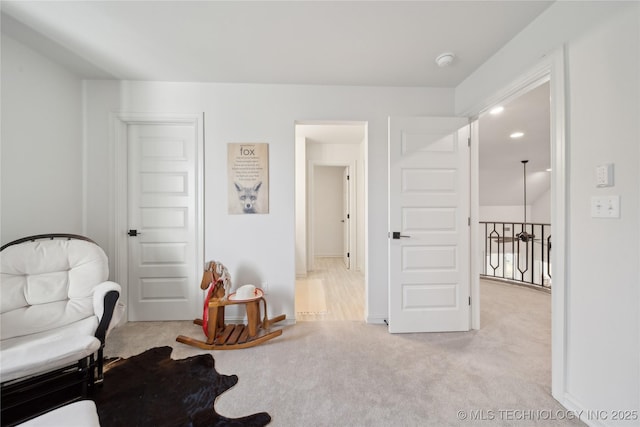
151, 389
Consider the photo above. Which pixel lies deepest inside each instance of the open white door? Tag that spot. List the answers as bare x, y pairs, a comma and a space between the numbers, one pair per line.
429, 233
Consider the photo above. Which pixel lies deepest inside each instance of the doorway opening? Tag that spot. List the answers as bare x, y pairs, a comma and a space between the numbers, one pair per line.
330, 217
551, 70
145, 204
516, 231
330, 213
515, 190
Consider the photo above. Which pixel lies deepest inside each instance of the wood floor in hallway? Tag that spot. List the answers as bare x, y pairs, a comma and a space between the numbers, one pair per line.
342, 290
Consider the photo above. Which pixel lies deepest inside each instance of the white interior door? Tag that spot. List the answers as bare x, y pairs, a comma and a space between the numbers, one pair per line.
429, 190
346, 219
162, 262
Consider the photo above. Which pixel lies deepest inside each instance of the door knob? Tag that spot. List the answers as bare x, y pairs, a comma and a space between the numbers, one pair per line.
133, 233
397, 235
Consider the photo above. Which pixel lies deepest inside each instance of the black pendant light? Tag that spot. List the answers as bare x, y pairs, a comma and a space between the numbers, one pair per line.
523, 235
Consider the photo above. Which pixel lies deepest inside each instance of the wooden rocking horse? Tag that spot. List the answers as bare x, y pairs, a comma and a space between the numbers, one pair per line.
221, 336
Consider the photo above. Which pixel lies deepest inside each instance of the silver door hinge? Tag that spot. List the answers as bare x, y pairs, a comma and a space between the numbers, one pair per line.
469, 141
469, 221
469, 300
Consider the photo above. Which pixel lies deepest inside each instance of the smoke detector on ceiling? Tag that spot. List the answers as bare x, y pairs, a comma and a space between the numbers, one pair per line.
444, 59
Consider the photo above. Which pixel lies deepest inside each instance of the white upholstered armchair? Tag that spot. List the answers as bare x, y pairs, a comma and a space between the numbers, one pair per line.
56, 310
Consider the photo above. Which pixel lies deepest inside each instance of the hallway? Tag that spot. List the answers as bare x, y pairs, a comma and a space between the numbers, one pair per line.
330, 292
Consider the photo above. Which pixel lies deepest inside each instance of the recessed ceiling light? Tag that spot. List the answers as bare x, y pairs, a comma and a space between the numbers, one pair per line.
517, 135
497, 110
548, 169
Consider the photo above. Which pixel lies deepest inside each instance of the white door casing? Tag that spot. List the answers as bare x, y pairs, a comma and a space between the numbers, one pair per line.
429, 190
160, 196
552, 68
346, 219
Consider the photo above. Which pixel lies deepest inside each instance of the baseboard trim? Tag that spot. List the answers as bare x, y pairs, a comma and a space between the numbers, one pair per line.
377, 320
592, 418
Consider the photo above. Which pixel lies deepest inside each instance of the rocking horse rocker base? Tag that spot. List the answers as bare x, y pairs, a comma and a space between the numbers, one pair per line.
221, 336
235, 336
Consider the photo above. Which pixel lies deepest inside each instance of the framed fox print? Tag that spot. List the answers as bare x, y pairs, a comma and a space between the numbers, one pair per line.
248, 178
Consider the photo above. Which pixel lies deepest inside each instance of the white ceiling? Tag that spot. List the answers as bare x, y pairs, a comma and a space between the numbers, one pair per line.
379, 43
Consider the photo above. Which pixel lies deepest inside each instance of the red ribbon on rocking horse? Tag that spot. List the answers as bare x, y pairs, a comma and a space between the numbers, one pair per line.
221, 336
215, 282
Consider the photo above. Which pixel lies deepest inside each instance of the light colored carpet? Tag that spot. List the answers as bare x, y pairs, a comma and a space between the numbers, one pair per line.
337, 373
310, 297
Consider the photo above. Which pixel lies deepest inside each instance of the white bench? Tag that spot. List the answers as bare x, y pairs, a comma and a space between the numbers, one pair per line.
77, 414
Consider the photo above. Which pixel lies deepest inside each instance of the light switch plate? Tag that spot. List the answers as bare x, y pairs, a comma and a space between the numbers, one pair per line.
605, 207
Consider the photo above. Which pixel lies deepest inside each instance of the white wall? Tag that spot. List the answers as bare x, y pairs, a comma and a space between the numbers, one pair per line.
262, 113
361, 239
42, 152
541, 209
499, 188
538, 212
504, 213
301, 206
328, 211
602, 298
604, 278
